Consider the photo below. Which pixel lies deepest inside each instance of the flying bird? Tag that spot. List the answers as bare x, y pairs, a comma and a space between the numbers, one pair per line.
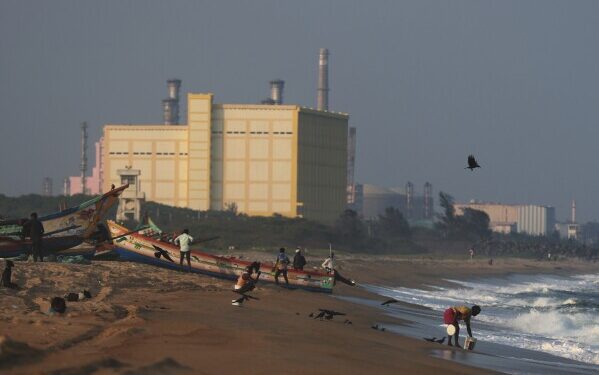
472, 164
390, 301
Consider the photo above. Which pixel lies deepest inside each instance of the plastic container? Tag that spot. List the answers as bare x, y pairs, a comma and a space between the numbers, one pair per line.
469, 343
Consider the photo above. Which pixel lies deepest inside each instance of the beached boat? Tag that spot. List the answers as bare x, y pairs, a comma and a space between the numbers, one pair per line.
63, 230
11, 247
140, 248
81, 220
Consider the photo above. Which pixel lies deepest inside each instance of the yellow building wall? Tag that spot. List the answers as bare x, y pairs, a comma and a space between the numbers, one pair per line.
254, 149
264, 159
159, 152
322, 164
199, 120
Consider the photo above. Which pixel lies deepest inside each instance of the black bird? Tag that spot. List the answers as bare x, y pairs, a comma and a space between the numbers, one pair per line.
390, 301
434, 339
319, 315
244, 297
347, 321
472, 164
378, 327
161, 252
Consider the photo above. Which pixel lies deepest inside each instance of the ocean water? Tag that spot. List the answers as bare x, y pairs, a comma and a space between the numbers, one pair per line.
546, 314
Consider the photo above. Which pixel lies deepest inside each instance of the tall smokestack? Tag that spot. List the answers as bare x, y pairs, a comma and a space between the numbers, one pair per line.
428, 200
47, 187
173, 88
409, 199
66, 186
322, 101
276, 91
351, 165
573, 211
169, 108
170, 105
83, 168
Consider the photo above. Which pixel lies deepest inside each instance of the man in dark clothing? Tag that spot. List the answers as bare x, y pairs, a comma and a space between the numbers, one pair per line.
281, 266
36, 231
298, 260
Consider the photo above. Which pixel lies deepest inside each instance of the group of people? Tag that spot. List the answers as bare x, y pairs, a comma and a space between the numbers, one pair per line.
299, 262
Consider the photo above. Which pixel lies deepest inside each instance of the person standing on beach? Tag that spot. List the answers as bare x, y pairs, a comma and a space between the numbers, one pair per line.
299, 261
183, 241
453, 315
281, 266
471, 251
36, 231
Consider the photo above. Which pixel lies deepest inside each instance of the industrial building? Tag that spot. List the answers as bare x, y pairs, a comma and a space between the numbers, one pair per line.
502, 217
260, 159
509, 218
371, 201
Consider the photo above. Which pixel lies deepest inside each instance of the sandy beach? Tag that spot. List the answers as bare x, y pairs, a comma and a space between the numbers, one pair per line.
146, 320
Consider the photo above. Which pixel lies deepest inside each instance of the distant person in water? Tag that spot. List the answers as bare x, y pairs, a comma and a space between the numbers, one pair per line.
36, 231
299, 261
183, 241
329, 266
453, 315
281, 266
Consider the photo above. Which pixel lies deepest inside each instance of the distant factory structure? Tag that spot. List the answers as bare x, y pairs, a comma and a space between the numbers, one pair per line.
259, 159
371, 201
47, 187
93, 183
535, 220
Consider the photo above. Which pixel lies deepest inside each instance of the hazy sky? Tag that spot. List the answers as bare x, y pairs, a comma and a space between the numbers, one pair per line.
425, 82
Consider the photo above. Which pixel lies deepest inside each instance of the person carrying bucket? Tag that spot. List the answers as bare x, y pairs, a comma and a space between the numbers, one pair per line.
453, 315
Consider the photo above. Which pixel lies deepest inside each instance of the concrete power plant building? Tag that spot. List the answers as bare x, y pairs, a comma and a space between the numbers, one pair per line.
261, 159
536, 220
507, 218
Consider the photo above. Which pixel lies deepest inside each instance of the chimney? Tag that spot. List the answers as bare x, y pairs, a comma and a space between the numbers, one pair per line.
322, 101
409, 199
66, 186
573, 211
83, 166
170, 106
428, 200
276, 91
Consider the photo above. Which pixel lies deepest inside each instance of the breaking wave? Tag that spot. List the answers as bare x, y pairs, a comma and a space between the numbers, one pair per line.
557, 315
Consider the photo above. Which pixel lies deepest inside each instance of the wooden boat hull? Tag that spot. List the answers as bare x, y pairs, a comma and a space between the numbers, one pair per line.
82, 218
139, 248
11, 247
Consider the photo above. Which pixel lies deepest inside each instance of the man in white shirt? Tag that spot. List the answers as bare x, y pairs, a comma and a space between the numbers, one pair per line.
184, 240
329, 266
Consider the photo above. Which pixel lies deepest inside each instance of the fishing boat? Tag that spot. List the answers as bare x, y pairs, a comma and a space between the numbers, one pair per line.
138, 247
63, 230
80, 220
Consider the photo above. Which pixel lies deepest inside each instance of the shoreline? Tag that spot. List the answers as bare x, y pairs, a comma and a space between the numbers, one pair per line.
137, 308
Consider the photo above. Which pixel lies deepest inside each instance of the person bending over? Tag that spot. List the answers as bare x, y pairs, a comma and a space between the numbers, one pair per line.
454, 314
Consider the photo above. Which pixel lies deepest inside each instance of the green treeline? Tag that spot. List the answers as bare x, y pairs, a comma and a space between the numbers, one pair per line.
389, 233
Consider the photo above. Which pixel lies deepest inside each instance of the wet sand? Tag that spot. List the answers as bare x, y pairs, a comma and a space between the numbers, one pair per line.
147, 320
